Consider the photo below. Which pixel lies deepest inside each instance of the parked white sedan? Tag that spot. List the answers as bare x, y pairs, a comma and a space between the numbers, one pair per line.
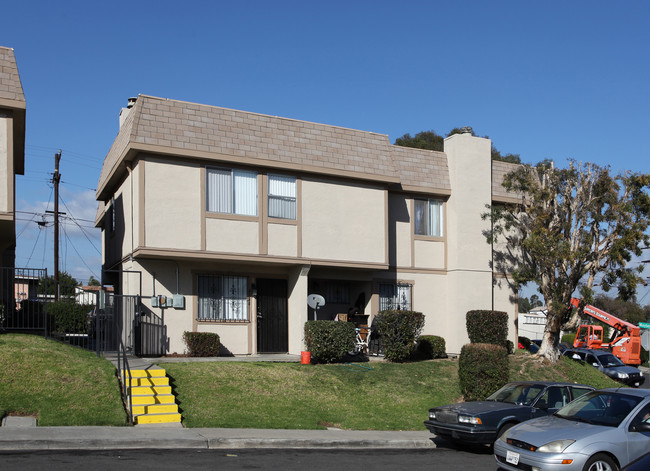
603, 430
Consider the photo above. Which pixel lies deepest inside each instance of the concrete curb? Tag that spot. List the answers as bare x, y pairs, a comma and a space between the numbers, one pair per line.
156, 437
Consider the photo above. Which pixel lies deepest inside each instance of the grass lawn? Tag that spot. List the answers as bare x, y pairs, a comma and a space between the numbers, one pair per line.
374, 396
62, 385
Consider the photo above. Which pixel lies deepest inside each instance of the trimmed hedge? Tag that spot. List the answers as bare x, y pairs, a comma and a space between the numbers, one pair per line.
482, 369
70, 317
329, 341
399, 331
484, 326
202, 344
430, 347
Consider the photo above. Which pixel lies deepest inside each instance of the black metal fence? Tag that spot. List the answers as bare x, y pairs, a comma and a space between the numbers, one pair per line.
24, 300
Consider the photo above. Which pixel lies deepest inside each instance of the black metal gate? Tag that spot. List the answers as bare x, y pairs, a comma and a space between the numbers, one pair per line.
123, 318
24, 300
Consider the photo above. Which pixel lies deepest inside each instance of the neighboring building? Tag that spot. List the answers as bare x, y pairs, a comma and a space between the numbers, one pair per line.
88, 294
237, 217
12, 162
532, 324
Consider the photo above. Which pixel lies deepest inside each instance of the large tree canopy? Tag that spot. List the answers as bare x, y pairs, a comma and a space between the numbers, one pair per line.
572, 226
430, 140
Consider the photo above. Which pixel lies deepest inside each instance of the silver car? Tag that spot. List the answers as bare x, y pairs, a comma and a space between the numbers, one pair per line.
603, 430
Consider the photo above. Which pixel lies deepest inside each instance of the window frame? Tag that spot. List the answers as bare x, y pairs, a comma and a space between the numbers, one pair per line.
383, 306
441, 218
234, 198
220, 312
288, 199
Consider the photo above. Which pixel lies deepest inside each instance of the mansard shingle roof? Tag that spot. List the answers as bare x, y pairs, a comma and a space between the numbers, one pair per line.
164, 126
11, 90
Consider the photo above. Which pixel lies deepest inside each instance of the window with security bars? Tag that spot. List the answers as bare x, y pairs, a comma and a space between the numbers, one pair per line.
231, 191
222, 298
394, 297
428, 217
282, 196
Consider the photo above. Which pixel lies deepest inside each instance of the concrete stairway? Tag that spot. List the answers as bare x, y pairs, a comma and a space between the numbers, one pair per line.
152, 398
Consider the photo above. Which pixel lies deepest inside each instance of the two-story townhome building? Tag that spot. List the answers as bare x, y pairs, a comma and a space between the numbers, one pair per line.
236, 218
12, 162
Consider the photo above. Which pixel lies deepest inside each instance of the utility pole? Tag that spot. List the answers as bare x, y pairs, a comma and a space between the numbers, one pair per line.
56, 178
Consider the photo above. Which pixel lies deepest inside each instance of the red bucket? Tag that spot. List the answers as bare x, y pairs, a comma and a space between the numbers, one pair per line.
305, 358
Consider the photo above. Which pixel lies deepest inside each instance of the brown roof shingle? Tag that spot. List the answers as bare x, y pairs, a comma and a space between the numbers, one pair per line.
11, 90
200, 131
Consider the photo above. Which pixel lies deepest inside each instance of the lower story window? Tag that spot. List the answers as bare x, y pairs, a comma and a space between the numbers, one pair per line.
394, 297
223, 298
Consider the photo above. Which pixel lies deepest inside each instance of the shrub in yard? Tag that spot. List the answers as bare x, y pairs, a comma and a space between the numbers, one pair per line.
202, 344
329, 341
430, 347
568, 338
525, 342
399, 331
485, 326
69, 317
482, 369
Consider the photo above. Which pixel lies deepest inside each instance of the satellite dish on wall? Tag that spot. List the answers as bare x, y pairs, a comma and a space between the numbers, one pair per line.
315, 301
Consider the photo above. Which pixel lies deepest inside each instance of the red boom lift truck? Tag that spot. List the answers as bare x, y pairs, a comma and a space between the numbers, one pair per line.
625, 342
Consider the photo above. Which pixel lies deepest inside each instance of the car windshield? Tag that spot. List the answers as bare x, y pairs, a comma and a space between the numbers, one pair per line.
609, 360
523, 394
600, 408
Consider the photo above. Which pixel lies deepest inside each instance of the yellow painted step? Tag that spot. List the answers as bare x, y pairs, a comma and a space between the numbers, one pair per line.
150, 373
147, 399
155, 381
140, 390
158, 419
156, 409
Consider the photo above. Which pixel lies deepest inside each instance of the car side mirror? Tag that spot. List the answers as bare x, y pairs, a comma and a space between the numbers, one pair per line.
595, 364
640, 427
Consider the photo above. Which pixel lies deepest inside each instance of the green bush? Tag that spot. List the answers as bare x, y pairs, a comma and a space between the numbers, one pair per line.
329, 341
568, 338
487, 327
482, 369
430, 347
69, 317
525, 342
399, 331
202, 344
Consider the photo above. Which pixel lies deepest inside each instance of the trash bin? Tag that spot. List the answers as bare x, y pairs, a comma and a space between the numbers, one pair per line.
305, 358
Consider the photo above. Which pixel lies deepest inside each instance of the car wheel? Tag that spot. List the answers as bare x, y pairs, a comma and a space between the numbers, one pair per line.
600, 462
504, 428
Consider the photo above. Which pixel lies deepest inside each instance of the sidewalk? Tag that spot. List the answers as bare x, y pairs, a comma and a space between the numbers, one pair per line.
21, 437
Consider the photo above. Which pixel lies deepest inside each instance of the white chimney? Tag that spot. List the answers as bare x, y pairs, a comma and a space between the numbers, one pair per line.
124, 112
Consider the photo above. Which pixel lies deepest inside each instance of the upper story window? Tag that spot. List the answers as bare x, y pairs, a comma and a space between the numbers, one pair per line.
428, 217
231, 191
282, 196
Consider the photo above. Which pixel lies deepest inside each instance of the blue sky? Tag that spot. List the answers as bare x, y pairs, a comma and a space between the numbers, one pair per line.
551, 79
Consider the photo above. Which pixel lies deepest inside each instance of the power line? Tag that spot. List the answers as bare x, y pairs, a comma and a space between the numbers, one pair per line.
77, 252
79, 226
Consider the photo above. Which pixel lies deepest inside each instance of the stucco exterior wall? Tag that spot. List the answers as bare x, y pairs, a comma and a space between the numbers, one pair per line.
400, 230
6, 177
172, 198
343, 222
226, 235
429, 254
283, 240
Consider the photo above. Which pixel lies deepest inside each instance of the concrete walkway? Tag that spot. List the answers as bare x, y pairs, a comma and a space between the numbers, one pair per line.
14, 437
